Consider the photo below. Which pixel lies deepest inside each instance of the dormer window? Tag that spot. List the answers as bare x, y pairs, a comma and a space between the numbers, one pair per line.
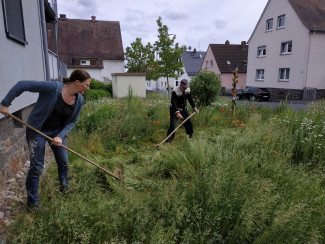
84, 62
269, 25
281, 21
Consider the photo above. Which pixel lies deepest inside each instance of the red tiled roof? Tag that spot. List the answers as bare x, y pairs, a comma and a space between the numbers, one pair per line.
88, 39
228, 55
311, 13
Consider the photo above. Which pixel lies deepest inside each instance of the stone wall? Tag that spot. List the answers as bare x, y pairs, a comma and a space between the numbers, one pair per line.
14, 165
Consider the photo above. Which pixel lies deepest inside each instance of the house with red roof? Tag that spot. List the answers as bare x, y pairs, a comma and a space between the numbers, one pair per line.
93, 45
287, 50
222, 59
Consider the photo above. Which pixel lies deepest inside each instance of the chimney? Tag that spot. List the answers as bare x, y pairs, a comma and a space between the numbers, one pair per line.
243, 44
227, 42
63, 17
194, 50
93, 19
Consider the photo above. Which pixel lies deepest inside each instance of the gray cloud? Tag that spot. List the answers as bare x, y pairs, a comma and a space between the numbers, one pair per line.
88, 4
220, 24
175, 15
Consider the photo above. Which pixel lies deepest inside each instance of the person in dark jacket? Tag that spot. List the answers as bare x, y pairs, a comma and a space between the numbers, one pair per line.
55, 113
178, 109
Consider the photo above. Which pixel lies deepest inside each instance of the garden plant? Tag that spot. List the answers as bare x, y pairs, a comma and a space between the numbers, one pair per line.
254, 178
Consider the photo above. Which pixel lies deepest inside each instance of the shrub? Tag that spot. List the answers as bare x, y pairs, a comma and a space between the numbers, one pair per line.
205, 87
96, 94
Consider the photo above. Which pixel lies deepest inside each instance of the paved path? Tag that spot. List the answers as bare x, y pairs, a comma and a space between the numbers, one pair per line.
295, 104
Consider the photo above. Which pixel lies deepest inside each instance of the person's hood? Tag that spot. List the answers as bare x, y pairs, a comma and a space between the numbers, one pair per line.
179, 92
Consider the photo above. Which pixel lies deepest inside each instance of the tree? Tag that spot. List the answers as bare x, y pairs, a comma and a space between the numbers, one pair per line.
169, 61
140, 58
205, 87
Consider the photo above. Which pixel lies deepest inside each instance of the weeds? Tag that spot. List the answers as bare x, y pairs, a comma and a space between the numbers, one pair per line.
256, 178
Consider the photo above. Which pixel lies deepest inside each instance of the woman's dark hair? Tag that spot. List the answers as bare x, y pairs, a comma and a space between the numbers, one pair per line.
79, 74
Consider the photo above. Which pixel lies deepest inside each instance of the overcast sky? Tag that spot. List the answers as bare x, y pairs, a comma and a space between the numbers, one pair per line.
196, 23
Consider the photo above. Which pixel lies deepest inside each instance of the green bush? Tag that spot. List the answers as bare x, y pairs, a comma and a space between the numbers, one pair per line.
95, 94
205, 87
98, 90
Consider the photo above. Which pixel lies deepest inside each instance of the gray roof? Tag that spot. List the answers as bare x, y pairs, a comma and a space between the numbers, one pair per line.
193, 61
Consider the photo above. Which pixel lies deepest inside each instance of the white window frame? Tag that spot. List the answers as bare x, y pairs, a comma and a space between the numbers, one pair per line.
84, 62
269, 24
284, 74
259, 75
286, 47
261, 51
281, 21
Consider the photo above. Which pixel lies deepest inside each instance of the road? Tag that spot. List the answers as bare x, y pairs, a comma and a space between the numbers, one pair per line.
295, 104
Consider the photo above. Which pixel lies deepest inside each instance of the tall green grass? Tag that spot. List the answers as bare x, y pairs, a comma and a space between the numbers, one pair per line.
257, 177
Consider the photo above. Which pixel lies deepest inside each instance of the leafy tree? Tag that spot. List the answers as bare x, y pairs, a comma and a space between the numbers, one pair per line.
140, 58
205, 87
169, 54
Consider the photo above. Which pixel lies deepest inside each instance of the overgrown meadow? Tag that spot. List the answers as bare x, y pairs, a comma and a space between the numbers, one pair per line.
256, 178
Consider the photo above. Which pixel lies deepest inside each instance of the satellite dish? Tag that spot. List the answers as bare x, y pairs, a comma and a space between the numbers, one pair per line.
190, 48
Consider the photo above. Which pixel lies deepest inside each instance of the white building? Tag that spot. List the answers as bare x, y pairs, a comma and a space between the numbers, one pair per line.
287, 49
93, 45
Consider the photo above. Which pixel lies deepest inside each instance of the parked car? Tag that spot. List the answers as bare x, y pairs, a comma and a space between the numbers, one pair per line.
253, 94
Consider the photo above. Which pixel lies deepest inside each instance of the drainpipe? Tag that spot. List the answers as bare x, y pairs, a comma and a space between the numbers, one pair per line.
56, 40
45, 46
307, 68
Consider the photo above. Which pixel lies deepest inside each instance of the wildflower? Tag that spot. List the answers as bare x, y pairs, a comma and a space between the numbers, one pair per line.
154, 122
168, 116
158, 122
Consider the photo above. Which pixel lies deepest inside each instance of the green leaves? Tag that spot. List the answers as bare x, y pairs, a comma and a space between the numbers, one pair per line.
205, 87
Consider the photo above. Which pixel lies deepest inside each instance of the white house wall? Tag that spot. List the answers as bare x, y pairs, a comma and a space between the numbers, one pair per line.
94, 73
22, 62
111, 66
316, 61
294, 31
105, 74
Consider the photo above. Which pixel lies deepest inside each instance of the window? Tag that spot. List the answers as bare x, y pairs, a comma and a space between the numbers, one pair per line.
286, 47
211, 63
260, 74
281, 21
284, 74
14, 20
269, 25
162, 84
261, 51
206, 64
84, 62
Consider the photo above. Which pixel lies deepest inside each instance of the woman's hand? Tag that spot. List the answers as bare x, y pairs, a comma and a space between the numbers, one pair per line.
4, 110
57, 141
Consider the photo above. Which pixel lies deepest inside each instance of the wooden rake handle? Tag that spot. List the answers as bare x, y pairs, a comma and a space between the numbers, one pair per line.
65, 147
176, 129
